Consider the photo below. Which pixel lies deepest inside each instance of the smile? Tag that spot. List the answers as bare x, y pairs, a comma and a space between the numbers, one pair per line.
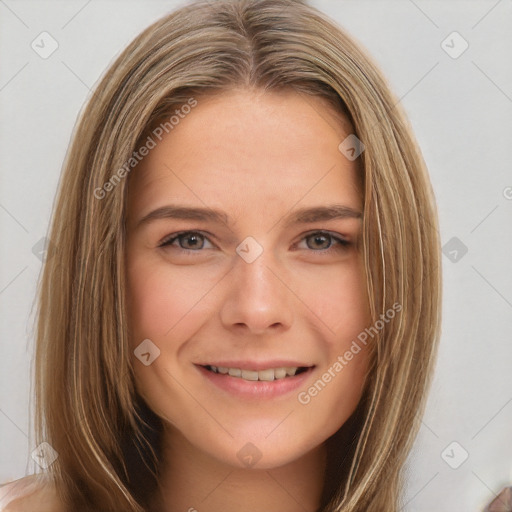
257, 381
266, 375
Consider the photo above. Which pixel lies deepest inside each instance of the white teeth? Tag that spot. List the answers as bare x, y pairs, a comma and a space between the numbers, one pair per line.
235, 372
267, 375
280, 373
249, 375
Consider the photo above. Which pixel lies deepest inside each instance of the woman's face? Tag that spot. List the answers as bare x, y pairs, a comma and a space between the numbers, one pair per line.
242, 226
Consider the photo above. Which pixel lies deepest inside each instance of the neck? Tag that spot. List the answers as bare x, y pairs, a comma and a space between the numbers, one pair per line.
192, 480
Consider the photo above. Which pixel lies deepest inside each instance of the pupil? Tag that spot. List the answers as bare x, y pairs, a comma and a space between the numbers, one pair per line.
192, 240
319, 239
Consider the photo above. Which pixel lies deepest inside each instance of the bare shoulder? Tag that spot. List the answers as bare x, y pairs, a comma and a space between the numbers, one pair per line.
33, 493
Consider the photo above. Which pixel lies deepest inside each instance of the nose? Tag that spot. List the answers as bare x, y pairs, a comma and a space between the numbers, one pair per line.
258, 299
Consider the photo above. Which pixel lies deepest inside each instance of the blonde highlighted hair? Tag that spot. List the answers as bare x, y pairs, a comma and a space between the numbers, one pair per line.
88, 409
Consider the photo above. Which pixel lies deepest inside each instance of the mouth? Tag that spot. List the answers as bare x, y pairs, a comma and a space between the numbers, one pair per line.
265, 375
256, 381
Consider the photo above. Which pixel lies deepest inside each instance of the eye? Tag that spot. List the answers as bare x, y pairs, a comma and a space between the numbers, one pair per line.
193, 241
322, 241
187, 240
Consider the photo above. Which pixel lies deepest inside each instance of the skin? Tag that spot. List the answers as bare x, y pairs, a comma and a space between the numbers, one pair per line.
257, 156
31, 493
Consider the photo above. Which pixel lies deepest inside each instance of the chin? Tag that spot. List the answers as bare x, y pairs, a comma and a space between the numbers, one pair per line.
255, 449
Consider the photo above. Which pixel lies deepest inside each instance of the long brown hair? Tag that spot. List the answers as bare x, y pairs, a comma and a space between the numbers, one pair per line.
88, 409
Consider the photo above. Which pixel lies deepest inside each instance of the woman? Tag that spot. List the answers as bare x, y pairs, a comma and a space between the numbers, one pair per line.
243, 307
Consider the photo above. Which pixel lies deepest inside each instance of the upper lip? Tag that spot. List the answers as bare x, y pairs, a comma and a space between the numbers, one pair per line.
258, 365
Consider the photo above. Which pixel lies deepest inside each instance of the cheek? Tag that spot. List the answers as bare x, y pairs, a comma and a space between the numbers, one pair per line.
165, 308
339, 300
161, 304
341, 306
345, 313
351, 314
152, 305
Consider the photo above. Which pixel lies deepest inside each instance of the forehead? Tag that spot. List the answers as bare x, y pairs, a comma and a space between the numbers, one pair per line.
245, 149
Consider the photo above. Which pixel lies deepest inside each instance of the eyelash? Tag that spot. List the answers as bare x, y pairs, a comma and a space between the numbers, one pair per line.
340, 246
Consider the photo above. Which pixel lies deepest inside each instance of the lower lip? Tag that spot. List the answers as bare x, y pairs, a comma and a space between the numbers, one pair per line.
256, 389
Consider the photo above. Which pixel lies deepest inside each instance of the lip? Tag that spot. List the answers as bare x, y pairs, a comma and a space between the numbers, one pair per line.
258, 390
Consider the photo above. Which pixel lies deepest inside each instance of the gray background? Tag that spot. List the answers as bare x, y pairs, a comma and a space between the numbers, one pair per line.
460, 109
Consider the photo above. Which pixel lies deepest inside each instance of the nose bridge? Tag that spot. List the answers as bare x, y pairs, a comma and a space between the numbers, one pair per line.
256, 297
256, 281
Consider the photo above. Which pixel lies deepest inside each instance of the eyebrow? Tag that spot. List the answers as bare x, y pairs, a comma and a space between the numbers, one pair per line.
300, 216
